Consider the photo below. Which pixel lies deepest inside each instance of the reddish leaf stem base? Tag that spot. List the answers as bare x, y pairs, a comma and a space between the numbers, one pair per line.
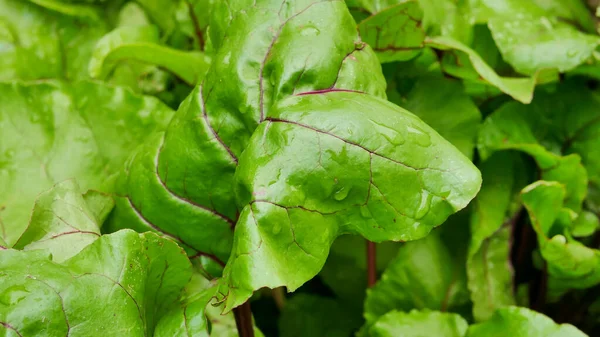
243, 320
371, 264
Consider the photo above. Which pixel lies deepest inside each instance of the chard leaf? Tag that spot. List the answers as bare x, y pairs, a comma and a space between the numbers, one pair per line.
531, 39
570, 263
50, 132
141, 43
46, 44
310, 315
165, 186
339, 182
522, 322
381, 32
426, 274
489, 270
62, 222
125, 281
419, 323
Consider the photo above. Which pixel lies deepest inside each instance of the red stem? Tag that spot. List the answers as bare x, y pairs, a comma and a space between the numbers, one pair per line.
371, 264
197, 29
243, 320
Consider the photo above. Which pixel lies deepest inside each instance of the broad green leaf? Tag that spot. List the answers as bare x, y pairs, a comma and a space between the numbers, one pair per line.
310, 315
489, 271
570, 263
426, 274
341, 181
50, 132
62, 222
443, 105
181, 182
120, 285
520, 89
141, 43
382, 32
521, 322
533, 38
419, 323
37, 43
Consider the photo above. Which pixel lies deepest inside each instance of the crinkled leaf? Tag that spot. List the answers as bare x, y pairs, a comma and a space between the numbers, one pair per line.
395, 33
489, 270
570, 263
521, 322
520, 89
426, 274
45, 44
141, 43
443, 105
121, 285
50, 132
419, 323
62, 222
310, 315
164, 186
331, 179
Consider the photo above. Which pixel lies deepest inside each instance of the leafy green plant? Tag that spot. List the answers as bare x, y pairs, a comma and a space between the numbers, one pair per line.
281, 168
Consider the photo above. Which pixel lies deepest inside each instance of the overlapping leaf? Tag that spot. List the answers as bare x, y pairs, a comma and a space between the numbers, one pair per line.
50, 132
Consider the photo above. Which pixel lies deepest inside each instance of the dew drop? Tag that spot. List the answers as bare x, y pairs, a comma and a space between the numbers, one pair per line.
365, 212
341, 194
423, 208
276, 228
34, 118
419, 136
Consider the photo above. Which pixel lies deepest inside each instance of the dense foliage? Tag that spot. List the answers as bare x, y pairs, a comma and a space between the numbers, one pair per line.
180, 167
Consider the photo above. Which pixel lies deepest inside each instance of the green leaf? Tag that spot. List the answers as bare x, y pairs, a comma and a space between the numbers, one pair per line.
46, 44
520, 89
381, 32
50, 132
141, 43
443, 105
121, 284
586, 224
489, 271
570, 263
426, 274
310, 315
419, 323
161, 191
332, 180
532, 40
522, 322
61, 222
